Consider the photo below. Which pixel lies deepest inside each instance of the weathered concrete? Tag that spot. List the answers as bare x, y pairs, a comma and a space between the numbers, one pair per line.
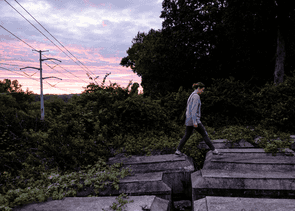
151, 203
221, 143
211, 203
250, 152
176, 170
249, 159
158, 163
135, 185
154, 176
245, 173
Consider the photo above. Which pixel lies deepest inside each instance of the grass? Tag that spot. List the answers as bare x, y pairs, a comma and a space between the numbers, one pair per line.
52, 183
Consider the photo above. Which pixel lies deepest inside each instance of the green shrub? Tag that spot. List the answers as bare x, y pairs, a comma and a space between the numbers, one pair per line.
268, 141
88, 129
56, 185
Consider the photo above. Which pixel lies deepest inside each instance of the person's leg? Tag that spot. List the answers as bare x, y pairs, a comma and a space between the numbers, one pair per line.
188, 133
201, 129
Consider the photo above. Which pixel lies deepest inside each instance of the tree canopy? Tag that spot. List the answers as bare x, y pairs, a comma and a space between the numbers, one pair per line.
201, 40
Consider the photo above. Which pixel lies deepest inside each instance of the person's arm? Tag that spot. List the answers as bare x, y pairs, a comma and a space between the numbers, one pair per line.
196, 110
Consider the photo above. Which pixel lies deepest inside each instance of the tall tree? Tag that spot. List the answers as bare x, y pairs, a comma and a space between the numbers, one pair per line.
206, 39
160, 60
284, 21
240, 36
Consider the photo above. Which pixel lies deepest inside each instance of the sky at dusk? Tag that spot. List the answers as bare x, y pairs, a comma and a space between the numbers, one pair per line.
97, 32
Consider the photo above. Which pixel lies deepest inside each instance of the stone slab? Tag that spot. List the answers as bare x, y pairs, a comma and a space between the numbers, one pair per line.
261, 162
218, 182
210, 203
163, 163
151, 203
176, 170
221, 143
250, 152
135, 185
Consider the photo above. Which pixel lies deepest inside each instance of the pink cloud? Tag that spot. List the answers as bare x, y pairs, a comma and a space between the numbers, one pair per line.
17, 53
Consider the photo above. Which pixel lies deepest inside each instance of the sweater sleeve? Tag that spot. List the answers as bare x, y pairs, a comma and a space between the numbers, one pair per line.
196, 109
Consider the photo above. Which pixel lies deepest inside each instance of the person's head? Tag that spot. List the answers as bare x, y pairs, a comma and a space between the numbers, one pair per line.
199, 87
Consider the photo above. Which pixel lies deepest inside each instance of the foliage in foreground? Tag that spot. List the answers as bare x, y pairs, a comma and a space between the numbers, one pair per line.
143, 126
39, 189
56, 185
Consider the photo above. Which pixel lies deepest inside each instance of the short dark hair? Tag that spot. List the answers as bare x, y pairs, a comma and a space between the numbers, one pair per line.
198, 85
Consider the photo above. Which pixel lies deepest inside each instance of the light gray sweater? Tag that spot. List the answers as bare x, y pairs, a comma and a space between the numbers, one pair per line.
193, 109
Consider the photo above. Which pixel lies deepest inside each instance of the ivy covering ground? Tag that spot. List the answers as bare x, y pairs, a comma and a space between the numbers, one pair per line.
42, 160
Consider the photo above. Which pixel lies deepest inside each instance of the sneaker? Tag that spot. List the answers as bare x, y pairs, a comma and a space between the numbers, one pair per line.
179, 153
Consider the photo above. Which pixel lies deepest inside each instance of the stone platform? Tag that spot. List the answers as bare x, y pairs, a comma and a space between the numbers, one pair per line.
221, 143
162, 177
244, 172
211, 203
176, 170
240, 179
151, 203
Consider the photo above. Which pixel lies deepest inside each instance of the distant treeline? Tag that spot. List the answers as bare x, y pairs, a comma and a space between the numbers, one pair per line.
65, 98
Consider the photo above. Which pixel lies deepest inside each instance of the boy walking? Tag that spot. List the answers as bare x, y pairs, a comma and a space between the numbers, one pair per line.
193, 115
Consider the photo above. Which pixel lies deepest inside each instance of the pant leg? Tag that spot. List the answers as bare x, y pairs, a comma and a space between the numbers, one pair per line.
201, 129
188, 133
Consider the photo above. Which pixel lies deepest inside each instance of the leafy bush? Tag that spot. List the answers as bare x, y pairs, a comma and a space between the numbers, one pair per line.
268, 141
104, 121
57, 185
276, 105
230, 102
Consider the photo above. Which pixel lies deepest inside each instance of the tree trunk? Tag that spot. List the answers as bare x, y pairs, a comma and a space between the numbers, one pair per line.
280, 60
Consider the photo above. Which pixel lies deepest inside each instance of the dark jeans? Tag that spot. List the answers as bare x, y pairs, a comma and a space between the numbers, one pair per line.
189, 131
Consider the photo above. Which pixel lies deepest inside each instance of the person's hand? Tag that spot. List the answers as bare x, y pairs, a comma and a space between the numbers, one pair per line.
196, 125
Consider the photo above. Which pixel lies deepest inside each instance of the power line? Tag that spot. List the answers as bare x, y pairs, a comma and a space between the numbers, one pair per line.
69, 72
42, 109
40, 31
55, 69
9, 64
17, 37
12, 71
47, 65
53, 36
33, 78
36, 50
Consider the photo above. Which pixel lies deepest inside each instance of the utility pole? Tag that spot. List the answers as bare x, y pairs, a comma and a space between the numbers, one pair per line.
41, 83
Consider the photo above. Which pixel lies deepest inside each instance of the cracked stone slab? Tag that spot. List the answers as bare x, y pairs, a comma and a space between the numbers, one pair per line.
242, 161
151, 203
163, 163
211, 203
221, 143
176, 169
245, 172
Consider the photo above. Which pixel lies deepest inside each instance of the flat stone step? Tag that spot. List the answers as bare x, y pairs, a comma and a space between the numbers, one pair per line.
217, 173
151, 203
263, 162
221, 143
211, 203
135, 185
176, 170
250, 152
217, 182
158, 163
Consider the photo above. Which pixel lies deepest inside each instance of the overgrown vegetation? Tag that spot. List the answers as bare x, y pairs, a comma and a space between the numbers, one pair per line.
42, 160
